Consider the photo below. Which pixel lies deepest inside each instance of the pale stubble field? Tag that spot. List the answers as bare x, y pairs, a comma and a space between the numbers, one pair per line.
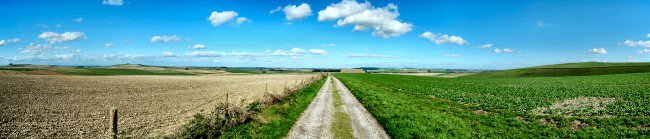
45, 106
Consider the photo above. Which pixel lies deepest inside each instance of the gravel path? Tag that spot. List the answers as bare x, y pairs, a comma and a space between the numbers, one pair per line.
315, 122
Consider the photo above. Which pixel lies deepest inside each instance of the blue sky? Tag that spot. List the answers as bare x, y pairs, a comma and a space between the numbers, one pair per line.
322, 34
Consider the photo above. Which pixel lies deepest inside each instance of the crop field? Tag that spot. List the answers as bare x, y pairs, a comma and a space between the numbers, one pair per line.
603, 106
57, 106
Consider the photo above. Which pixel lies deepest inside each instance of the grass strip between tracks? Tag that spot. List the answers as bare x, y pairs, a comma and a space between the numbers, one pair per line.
341, 126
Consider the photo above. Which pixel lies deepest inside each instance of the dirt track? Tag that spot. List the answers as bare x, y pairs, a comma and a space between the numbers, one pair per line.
60, 106
316, 121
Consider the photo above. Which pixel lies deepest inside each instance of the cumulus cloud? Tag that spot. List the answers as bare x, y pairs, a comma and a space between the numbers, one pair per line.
241, 20
218, 18
165, 38
644, 51
205, 54
109, 44
318, 51
645, 44
79, 19
451, 55
507, 50
294, 12
167, 54
331, 44
363, 16
343, 9
35, 49
196, 46
597, 51
371, 55
444, 39
485, 46
648, 35
63, 37
113, 2
3, 43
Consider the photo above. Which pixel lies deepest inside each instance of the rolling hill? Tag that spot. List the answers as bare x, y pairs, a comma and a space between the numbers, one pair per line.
567, 69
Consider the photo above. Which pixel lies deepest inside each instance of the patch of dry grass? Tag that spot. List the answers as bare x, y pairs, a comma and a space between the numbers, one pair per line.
579, 106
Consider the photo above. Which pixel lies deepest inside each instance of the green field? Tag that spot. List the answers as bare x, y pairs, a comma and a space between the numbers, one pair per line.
602, 106
569, 69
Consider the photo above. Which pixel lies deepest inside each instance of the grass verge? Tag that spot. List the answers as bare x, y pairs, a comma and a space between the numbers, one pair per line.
273, 121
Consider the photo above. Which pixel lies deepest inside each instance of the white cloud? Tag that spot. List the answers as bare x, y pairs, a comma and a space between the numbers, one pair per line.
648, 35
364, 16
268, 51
343, 9
371, 55
485, 46
109, 44
167, 54
632, 59
77, 51
451, 55
205, 54
35, 49
507, 50
3, 43
318, 51
294, 12
165, 38
331, 44
218, 18
123, 57
644, 51
597, 51
444, 39
298, 57
63, 37
13, 40
542, 24
246, 54
275, 10
292, 52
57, 25
241, 20
298, 50
113, 2
196, 46
645, 44
79, 19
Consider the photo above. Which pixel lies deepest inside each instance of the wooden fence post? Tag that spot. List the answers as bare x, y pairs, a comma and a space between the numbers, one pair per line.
114, 122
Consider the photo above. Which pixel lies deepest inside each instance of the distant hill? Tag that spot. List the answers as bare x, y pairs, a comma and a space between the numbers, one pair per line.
567, 69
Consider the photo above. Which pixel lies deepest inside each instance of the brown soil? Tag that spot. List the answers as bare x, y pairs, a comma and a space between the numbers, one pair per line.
60, 106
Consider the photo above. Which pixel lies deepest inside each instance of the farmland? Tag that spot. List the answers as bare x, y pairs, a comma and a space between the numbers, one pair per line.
604, 106
44, 106
568, 69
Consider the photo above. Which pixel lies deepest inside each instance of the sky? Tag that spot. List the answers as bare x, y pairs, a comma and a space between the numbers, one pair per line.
324, 33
